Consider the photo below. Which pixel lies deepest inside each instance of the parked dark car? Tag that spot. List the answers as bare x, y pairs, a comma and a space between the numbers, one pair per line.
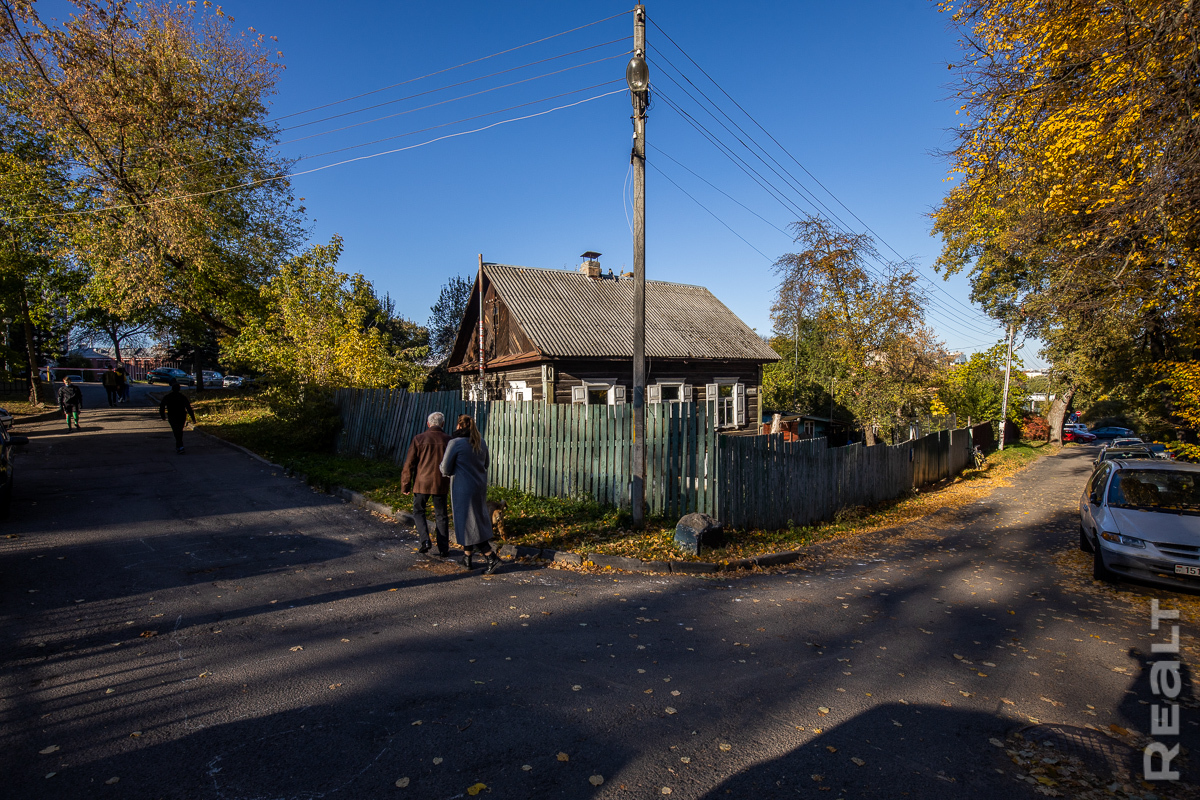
1111, 432
1130, 452
167, 374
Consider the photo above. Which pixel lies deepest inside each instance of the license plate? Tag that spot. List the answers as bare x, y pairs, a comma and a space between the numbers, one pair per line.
1185, 569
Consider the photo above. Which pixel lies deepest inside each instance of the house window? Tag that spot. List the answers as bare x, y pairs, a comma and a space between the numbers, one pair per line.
810, 429
669, 392
518, 391
727, 402
607, 393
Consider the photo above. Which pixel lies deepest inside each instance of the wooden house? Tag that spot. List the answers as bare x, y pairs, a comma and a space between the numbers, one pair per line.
561, 336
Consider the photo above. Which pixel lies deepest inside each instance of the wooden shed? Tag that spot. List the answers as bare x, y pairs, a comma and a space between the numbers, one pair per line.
564, 336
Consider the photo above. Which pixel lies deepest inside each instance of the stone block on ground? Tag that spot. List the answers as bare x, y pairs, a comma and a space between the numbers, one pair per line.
563, 557
691, 530
656, 566
741, 563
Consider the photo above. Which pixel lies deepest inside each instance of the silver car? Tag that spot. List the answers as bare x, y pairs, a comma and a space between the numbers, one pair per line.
1141, 519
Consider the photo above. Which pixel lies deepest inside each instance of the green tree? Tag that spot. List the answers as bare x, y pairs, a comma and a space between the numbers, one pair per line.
446, 316
974, 391
161, 110
1078, 187
315, 332
870, 325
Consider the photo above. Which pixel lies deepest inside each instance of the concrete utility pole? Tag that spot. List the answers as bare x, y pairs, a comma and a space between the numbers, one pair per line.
482, 380
1007, 372
637, 75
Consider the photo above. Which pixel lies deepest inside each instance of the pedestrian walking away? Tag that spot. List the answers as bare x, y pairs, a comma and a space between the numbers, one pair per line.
423, 479
109, 379
70, 401
176, 409
466, 464
122, 384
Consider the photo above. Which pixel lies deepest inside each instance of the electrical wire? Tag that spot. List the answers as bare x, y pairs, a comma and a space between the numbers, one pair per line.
794, 159
714, 216
469, 80
259, 182
781, 197
448, 69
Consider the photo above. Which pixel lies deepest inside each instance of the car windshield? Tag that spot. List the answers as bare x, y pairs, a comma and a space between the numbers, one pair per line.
1113, 455
1155, 490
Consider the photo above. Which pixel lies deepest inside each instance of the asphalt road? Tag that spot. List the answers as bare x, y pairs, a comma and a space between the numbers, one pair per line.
197, 626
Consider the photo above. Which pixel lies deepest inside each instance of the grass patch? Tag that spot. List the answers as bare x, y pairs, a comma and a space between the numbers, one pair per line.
582, 525
19, 406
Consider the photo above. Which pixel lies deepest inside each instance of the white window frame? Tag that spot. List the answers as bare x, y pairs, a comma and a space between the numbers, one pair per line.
733, 416
518, 392
810, 429
614, 392
654, 392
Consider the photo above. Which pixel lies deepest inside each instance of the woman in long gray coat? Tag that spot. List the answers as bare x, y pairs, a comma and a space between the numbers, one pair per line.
466, 463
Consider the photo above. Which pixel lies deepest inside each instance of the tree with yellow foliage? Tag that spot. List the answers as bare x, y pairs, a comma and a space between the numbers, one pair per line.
1077, 180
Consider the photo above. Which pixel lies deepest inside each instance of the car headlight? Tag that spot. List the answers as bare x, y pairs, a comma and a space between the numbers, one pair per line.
1127, 541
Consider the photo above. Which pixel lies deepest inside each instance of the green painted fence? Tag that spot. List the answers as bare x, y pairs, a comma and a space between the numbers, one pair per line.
767, 482
552, 450
584, 451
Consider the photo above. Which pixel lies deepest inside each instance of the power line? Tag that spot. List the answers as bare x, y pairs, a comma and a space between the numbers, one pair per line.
796, 161
714, 216
421, 130
448, 69
780, 196
469, 80
259, 182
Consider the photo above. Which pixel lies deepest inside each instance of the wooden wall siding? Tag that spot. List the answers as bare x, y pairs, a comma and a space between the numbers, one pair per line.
552, 450
584, 452
767, 482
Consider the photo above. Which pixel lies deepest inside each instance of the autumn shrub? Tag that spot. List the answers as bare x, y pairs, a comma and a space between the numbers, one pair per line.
1035, 428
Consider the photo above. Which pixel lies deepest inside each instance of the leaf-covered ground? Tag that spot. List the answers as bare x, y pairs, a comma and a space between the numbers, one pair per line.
581, 525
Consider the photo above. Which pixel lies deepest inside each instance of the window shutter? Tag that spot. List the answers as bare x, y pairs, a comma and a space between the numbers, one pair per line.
617, 396
685, 393
579, 395
739, 403
508, 394
711, 392
654, 394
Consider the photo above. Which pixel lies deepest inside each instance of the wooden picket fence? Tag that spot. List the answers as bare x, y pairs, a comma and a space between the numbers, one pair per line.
552, 450
770, 483
580, 451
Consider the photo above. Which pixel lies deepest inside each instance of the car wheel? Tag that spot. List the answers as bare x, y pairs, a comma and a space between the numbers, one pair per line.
1099, 571
1085, 544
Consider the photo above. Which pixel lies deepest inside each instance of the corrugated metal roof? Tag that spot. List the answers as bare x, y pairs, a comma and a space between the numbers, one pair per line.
565, 313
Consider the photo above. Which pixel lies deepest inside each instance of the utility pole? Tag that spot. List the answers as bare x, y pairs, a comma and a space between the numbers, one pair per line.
637, 75
480, 392
1012, 329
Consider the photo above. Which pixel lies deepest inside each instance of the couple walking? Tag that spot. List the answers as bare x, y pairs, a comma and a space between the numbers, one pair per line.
437, 464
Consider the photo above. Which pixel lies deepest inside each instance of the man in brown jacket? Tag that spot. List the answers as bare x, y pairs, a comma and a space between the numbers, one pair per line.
423, 479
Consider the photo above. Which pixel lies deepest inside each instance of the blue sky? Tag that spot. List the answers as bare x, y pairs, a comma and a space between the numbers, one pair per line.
856, 92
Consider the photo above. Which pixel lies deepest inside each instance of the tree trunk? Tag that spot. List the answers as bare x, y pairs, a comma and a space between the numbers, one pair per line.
869, 435
35, 378
112, 334
1058, 412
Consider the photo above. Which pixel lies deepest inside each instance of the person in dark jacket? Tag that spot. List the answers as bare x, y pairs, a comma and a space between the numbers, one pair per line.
109, 379
175, 409
70, 400
466, 462
122, 384
423, 479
